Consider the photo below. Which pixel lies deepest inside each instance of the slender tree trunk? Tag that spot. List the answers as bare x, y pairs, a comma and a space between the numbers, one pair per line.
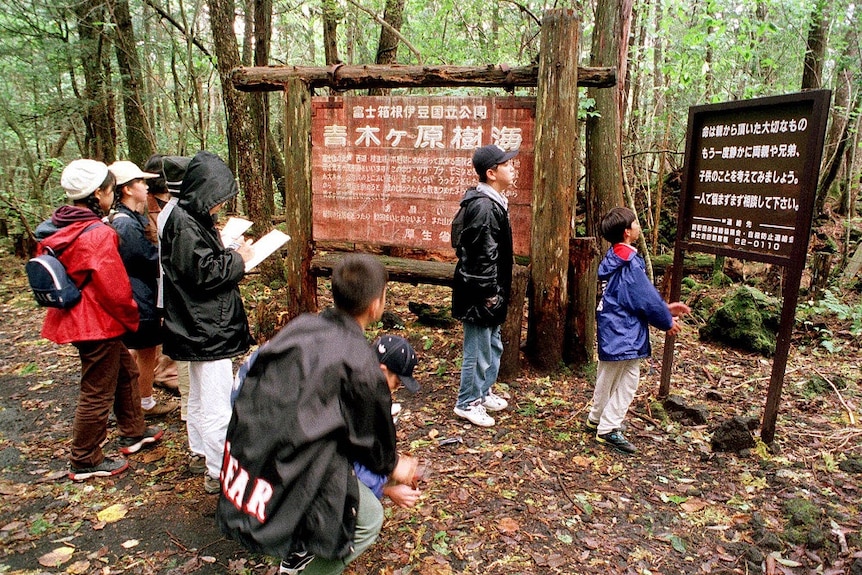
812, 73
603, 140
139, 134
260, 102
331, 16
387, 47
100, 141
240, 128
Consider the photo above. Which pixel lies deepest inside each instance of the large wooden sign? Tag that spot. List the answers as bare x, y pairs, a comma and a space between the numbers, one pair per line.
392, 170
748, 190
750, 176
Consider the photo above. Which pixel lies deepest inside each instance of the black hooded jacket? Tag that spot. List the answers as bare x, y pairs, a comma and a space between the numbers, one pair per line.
485, 261
314, 401
204, 316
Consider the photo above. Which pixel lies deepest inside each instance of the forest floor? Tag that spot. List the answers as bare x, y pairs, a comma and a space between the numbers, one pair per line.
535, 494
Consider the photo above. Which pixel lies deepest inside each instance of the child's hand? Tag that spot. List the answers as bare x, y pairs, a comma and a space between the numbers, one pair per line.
675, 328
678, 308
402, 495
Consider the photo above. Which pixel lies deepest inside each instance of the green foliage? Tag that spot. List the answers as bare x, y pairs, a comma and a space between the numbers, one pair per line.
748, 320
813, 315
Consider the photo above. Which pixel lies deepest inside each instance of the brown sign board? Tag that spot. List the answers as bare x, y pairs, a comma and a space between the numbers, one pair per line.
751, 176
392, 170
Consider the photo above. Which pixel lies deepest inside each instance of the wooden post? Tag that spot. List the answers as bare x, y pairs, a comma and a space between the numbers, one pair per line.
555, 177
580, 345
302, 285
510, 332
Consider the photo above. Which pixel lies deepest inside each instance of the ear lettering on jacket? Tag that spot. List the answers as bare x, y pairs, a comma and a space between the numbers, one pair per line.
235, 480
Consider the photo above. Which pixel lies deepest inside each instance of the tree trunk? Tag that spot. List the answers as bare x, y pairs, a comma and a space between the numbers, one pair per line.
240, 129
331, 16
845, 110
139, 134
260, 102
603, 154
555, 167
815, 53
100, 141
580, 348
387, 48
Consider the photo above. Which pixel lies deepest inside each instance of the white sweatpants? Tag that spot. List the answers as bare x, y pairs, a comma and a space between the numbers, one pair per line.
616, 384
209, 409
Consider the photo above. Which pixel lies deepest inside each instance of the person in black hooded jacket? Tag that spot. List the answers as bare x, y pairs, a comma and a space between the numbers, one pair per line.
205, 321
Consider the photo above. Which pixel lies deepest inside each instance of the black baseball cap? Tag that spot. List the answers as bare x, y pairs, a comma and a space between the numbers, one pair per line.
398, 356
487, 157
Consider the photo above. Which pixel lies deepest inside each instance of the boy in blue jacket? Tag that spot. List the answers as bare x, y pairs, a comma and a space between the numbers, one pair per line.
630, 303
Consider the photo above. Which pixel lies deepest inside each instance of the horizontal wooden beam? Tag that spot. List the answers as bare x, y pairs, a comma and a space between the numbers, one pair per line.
342, 77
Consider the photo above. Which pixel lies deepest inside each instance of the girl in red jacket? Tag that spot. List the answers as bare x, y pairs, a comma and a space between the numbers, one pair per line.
88, 250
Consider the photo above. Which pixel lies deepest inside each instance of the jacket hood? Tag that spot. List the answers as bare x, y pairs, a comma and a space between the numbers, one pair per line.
612, 262
207, 183
470, 195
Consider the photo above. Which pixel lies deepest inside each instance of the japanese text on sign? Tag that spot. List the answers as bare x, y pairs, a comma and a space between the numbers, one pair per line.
392, 170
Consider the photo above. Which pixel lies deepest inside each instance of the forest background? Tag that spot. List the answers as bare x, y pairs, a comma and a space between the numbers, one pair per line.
122, 79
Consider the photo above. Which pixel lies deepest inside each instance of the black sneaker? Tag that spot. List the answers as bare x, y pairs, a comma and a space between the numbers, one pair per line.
295, 562
129, 445
590, 426
617, 440
106, 468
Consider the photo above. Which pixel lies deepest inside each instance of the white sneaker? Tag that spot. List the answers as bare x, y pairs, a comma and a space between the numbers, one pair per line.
475, 413
493, 402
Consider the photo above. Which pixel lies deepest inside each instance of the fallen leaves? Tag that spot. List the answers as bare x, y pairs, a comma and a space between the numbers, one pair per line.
56, 557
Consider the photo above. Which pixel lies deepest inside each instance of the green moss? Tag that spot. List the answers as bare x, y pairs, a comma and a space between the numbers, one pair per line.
801, 512
748, 320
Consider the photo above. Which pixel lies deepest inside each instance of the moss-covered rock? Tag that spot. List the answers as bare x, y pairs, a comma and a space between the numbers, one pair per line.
748, 320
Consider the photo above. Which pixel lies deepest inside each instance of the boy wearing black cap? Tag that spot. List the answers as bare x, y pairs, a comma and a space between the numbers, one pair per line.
483, 280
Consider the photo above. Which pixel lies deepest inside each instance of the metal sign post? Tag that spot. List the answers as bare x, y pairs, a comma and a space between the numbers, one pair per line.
750, 176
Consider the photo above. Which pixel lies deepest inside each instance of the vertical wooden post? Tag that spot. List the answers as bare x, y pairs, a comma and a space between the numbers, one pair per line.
510, 332
555, 177
580, 346
302, 286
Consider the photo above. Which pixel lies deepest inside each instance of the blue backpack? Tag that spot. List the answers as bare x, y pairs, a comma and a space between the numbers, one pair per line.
51, 285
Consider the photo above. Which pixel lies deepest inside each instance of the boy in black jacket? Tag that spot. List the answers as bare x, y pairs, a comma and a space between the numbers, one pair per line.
313, 402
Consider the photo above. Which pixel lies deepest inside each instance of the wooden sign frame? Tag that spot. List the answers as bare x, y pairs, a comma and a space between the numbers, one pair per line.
749, 183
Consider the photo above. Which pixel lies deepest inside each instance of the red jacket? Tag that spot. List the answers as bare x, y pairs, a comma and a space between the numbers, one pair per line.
106, 309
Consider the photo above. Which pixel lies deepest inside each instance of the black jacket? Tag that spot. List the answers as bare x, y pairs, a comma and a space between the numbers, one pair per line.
313, 402
204, 316
485, 260
140, 257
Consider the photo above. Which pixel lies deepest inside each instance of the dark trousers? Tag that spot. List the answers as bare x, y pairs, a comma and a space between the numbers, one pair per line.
109, 378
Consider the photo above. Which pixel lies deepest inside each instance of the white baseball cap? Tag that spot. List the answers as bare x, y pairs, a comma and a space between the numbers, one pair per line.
81, 178
126, 171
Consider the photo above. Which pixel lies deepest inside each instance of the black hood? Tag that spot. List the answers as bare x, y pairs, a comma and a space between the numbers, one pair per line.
207, 183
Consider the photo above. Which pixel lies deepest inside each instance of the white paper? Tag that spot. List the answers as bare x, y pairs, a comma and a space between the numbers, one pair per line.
233, 229
265, 246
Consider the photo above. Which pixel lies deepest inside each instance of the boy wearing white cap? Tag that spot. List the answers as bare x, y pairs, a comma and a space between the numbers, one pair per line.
87, 249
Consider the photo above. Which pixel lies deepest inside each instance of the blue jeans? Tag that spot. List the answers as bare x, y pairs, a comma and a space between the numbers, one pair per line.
483, 347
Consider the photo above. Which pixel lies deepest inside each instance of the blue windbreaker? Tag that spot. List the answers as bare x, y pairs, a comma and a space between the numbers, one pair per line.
629, 304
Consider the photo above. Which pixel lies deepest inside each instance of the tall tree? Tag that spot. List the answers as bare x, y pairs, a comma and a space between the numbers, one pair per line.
603, 132
387, 48
812, 73
139, 134
100, 141
240, 128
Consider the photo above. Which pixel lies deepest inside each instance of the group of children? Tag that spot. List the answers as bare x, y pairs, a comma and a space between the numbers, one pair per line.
308, 489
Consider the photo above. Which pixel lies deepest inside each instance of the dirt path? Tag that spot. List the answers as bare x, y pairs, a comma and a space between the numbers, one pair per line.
533, 495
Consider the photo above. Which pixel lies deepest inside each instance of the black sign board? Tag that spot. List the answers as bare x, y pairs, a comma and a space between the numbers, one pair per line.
750, 177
